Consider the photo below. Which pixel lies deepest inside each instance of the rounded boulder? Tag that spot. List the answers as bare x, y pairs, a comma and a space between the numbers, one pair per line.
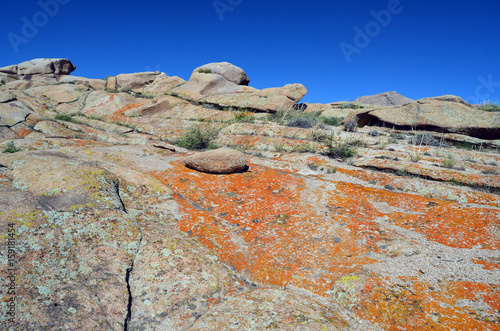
219, 161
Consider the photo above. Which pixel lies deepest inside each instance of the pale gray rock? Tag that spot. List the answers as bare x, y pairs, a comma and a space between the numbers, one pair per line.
45, 66
219, 161
137, 81
227, 70
384, 99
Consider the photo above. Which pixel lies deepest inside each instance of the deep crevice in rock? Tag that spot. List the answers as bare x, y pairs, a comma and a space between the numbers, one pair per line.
129, 305
481, 133
122, 205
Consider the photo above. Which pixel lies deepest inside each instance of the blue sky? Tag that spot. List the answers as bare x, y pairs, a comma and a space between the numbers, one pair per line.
420, 48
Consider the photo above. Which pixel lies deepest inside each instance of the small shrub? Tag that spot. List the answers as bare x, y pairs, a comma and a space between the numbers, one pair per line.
204, 71
333, 121
198, 137
351, 105
244, 116
415, 156
279, 147
64, 117
318, 135
489, 171
342, 150
398, 136
465, 145
11, 148
301, 122
351, 125
402, 172
383, 143
389, 187
373, 133
491, 107
312, 166
449, 162
303, 148
424, 139
373, 182
332, 170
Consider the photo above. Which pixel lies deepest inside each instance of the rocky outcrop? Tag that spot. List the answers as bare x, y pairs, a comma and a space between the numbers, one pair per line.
40, 67
136, 82
225, 85
267, 100
219, 161
448, 114
384, 99
108, 228
227, 70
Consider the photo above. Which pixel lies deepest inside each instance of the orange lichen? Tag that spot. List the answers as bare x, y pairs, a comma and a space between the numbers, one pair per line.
268, 226
22, 132
487, 265
422, 306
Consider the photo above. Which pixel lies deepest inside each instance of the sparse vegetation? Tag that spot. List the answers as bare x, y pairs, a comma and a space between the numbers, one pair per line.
11, 148
342, 150
279, 147
490, 106
312, 166
449, 162
198, 137
424, 139
64, 117
389, 187
304, 148
301, 122
333, 121
489, 171
382, 143
352, 125
244, 116
318, 135
351, 105
204, 71
415, 156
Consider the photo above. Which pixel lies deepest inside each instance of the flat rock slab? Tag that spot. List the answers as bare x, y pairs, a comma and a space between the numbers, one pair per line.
219, 161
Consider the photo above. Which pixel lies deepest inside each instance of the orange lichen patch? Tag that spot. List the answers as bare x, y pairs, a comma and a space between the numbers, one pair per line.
445, 222
118, 116
378, 177
109, 99
21, 131
487, 265
258, 223
422, 306
472, 197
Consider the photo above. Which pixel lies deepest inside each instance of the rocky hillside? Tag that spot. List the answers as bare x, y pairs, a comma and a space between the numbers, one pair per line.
340, 216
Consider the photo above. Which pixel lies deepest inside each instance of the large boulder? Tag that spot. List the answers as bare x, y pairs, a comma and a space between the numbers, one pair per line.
43, 67
219, 161
384, 99
446, 98
137, 81
201, 85
162, 84
442, 116
227, 70
12, 113
267, 100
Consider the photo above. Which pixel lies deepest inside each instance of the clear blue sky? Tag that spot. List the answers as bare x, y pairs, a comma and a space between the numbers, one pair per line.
428, 48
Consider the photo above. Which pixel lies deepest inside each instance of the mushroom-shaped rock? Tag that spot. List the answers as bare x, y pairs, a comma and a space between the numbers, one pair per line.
227, 70
219, 161
45, 66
